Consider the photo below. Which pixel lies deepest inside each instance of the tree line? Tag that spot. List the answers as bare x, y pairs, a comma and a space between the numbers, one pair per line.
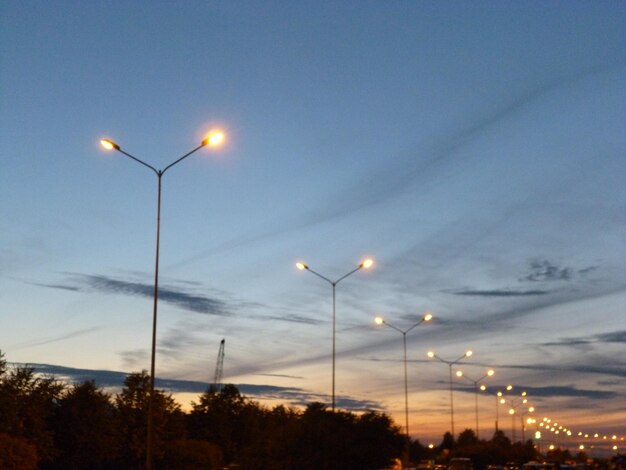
48, 424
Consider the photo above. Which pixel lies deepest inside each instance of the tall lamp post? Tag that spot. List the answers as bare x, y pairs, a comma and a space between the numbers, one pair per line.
489, 373
514, 403
214, 139
432, 355
365, 264
381, 321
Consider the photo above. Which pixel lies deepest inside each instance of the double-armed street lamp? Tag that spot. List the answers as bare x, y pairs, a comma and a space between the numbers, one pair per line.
476, 383
432, 355
514, 403
365, 264
381, 321
214, 139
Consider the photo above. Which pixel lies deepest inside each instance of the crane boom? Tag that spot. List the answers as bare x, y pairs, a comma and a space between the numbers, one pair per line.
219, 367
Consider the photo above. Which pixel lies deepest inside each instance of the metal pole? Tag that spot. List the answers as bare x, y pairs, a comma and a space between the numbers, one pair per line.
406, 406
451, 402
497, 397
476, 399
150, 437
513, 428
334, 284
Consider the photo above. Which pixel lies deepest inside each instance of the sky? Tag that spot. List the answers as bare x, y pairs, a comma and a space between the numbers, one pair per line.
475, 150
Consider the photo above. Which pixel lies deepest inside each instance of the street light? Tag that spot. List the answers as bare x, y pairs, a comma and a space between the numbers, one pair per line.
489, 373
365, 264
432, 355
213, 139
514, 403
381, 321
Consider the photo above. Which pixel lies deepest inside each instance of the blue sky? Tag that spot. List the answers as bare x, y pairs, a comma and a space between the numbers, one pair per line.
475, 151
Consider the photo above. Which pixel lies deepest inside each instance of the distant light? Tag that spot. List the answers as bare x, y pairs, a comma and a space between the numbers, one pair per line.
468, 353
301, 266
431, 446
483, 387
431, 354
428, 317
511, 411
367, 263
531, 409
581, 447
459, 373
379, 320
490, 372
509, 387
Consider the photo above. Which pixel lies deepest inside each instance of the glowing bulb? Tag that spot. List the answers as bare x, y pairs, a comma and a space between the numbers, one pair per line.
431, 354
490, 372
483, 387
301, 266
468, 353
379, 320
428, 317
459, 373
109, 144
214, 139
367, 263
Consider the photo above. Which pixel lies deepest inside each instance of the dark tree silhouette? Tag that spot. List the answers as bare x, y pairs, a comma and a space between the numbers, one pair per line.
86, 429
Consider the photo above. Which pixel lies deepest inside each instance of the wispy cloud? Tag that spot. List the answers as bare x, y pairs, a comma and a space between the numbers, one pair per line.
181, 298
55, 339
502, 293
544, 270
612, 337
184, 297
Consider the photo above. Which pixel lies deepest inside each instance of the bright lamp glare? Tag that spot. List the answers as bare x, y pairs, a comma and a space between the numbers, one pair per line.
468, 353
367, 263
431, 354
214, 139
107, 144
490, 372
379, 320
300, 266
459, 373
428, 317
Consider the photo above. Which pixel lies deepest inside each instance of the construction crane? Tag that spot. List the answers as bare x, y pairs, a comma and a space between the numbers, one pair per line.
219, 368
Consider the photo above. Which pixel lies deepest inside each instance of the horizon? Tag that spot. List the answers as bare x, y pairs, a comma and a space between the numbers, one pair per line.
476, 152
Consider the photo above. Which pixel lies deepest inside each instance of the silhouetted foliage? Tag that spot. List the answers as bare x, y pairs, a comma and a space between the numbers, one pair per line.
47, 425
132, 410
86, 429
27, 405
16, 453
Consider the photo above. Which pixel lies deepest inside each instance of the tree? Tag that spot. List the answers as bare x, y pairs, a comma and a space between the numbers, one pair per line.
16, 453
467, 439
132, 409
27, 404
86, 428
219, 418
